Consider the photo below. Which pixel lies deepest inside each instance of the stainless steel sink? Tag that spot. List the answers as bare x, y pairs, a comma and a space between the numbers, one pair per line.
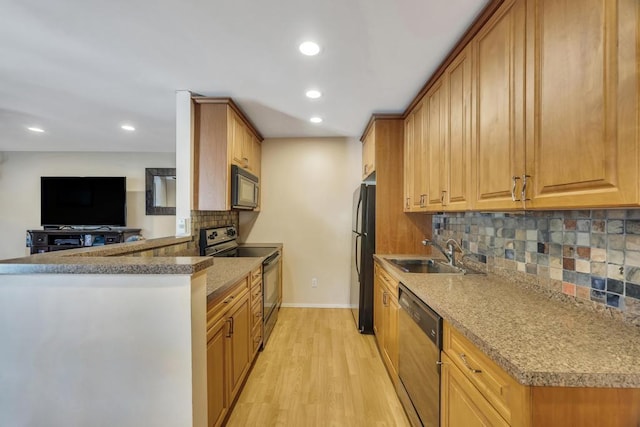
429, 266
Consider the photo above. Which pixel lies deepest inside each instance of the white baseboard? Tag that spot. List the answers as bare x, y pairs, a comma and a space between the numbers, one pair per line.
306, 305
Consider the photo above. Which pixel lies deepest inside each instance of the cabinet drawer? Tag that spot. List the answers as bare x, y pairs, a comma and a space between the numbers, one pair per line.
504, 393
218, 307
256, 276
389, 282
256, 337
256, 314
256, 294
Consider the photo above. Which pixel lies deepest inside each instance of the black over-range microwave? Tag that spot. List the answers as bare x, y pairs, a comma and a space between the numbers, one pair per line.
245, 189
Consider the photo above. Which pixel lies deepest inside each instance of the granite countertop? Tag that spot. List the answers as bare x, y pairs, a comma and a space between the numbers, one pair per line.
538, 340
109, 259
226, 272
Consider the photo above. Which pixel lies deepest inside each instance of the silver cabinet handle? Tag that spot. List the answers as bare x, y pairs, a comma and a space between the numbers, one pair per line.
228, 300
513, 189
464, 360
442, 197
523, 193
230, 330
407, 202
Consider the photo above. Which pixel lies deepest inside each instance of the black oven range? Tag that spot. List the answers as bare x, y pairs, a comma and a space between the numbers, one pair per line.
222, 242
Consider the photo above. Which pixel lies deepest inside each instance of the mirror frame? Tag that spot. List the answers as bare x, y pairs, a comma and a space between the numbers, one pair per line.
150, 173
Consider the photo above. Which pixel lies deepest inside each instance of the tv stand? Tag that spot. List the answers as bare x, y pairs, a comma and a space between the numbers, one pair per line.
57, 239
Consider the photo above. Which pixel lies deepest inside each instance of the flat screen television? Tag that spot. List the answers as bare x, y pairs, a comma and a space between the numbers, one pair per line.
83, 201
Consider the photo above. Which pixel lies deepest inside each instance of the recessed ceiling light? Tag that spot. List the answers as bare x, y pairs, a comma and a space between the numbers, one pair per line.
35, 129
315, 120
128, 127
309, 48
313, 94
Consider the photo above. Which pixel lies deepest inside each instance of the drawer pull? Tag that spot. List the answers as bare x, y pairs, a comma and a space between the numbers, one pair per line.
228, 300
464, 360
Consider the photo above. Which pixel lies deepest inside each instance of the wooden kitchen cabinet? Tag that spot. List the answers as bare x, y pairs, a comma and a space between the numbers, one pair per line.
240, 346
575, 142
217, 395
434, 142
458, 130
462, 404
416, 168
582, 103
369, 153
229, 348
498, 158
476, 391
385, 319
222, 136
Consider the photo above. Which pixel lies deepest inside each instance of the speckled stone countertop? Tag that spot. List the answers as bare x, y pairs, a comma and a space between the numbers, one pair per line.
537, 340
227, 271
108, 260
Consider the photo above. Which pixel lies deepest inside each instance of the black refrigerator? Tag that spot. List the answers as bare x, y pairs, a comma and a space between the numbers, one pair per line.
363, 246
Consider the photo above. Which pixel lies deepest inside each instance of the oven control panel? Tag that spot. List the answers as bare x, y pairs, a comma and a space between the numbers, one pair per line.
214, 236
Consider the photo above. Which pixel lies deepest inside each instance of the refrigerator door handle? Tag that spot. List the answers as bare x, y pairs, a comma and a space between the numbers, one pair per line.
357, 257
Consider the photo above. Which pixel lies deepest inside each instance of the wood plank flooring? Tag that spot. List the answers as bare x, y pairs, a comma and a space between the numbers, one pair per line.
317, 370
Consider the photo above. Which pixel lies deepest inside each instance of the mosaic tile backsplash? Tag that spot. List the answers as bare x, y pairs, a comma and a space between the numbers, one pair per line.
590, 255
207, 219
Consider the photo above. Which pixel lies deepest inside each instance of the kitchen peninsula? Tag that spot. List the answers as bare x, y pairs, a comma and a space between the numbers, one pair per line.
116, 333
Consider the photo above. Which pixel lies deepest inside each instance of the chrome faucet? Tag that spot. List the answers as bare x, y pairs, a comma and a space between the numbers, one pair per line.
450, 252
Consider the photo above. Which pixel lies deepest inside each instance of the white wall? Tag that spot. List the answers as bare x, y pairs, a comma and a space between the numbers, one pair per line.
20, 174
307, 190
102, 350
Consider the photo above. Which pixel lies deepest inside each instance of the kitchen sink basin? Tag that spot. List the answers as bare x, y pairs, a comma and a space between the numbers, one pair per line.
429, 266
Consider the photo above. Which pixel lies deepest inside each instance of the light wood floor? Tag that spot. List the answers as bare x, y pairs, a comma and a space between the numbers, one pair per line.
317, 370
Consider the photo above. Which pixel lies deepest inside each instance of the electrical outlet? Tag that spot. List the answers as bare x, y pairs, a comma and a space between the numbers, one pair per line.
314, 283
183, 226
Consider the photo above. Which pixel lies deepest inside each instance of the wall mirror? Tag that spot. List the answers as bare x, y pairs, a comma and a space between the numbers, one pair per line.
160, 191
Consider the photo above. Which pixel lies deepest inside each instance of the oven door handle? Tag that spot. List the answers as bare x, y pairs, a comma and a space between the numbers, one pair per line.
272, 260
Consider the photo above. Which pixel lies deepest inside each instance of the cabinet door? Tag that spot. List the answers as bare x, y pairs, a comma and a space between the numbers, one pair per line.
378, 309
237, 141
391, 336
217, 397
461, 403
435, 144
239, 345
256, 160
582, 107
498, 146
368, 153
247, 150
408, 163
457, 156
418, 159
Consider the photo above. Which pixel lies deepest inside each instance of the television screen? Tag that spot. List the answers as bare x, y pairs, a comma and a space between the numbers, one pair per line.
76, 201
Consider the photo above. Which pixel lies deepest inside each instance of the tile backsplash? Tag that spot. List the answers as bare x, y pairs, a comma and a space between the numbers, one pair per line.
206, 219
590, 255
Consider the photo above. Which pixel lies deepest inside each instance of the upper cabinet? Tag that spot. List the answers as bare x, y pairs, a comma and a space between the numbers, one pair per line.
498, 119
582, 103
222, 137
416, 178
246, 146
457, 143
540, 110
369, 153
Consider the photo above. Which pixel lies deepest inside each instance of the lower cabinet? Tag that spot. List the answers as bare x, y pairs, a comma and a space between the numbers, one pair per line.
229, 349
477, 392
217, 396
385, 319
462, 404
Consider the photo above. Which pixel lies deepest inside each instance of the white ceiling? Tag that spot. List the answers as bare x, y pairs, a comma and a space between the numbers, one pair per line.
79, 69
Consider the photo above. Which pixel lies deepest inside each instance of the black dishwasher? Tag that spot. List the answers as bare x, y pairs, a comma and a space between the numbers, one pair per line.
419, 345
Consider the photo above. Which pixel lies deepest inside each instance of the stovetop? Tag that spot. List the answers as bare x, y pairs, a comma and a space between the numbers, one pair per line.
221, 241
254, 251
